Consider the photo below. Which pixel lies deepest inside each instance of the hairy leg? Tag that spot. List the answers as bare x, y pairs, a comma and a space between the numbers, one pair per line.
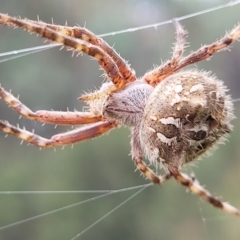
54, 117
157, 75
148, 173
104, 60
70, 137
137, 157
88, 36
196, 188
205, 52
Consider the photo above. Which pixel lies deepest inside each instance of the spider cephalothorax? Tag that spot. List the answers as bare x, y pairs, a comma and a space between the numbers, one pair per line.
174, 117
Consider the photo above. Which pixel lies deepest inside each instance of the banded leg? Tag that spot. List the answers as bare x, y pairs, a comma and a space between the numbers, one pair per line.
104, 60
157, 75
87, 36
137, 156
207, 51
70, 137
196, 188
54, 117
202, 53
148, 173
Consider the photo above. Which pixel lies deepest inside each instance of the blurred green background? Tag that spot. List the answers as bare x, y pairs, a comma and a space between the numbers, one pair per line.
53, 79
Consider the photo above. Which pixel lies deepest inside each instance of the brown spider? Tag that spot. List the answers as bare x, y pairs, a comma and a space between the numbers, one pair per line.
174, 117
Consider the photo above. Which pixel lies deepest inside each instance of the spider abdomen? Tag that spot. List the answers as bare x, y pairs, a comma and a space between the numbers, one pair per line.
186, 114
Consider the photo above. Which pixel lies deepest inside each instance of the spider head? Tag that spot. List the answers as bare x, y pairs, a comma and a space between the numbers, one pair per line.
126, 106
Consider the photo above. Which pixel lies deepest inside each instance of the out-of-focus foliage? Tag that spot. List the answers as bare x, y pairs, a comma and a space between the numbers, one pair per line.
52, 79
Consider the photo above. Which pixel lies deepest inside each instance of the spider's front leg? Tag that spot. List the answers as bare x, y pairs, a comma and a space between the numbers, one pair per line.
88, 36
70, 137
105, 61
54, 117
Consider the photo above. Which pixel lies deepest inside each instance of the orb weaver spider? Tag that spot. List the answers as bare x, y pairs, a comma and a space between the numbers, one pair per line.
174, 116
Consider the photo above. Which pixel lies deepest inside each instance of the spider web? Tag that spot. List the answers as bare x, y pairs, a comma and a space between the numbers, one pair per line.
208, 216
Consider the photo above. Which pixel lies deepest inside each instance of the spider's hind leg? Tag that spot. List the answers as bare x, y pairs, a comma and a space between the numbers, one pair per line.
196, 188
157, 75
149, 174
137, 157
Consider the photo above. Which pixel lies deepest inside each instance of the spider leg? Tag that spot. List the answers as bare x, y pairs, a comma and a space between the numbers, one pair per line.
157, 75
88, 36
54, 117
148, 173
181, 34
205, 52
104, 60
136, 153
70, 137
196, 188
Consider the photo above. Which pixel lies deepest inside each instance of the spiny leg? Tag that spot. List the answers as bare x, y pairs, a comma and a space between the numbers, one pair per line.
54, 117
196, 188
88, 36
104, 60
70, 137
137, 156
64, 118
181, 34
202, 53
82, 33
157, 75
148, 173
207, 51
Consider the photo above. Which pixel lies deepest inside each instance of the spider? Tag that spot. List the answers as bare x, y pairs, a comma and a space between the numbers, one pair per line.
174, 116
